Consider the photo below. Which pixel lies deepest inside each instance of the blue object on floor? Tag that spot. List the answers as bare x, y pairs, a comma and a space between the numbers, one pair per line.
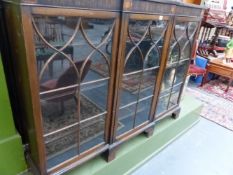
200, 62
210, 76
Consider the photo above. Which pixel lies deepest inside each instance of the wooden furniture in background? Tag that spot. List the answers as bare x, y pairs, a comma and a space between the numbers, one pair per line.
139, 53
217, 66
197, 2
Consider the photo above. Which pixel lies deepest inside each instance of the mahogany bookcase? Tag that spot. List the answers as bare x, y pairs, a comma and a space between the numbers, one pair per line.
93, 74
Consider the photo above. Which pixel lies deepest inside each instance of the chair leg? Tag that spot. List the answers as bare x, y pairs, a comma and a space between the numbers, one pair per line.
204, 79
229, 84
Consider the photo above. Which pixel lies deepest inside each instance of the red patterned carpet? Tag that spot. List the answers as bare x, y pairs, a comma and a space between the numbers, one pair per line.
217, 104
218, 87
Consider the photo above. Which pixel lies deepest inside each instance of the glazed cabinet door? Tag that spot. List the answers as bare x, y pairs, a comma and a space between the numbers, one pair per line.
75, 54
142, 40
181, 43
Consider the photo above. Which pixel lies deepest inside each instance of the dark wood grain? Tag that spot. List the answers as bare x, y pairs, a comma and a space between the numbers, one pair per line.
122, 11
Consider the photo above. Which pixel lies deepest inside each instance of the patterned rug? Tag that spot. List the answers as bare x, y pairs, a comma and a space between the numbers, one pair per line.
218, 87
131, 82
61, 141
215, 108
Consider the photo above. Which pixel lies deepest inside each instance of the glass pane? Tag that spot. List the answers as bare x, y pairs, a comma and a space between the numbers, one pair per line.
177, 64
148, 83
153, 58
61, 146
62, 41
125, 120
143, 50
181, 32
144, 44
176, 88
165, 92
186, 51
174, 96
58, 110
73, 57
92, 133
96, 93
55, 30
130, 88
168, 78
135, 62
192, 27
181, 72
174, 99
174, 53
143, 111
97, 35
62, 75
65, 145
98, 70
162, 105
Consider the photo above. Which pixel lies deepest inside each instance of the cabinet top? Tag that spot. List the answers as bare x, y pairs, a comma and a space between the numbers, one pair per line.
166, 7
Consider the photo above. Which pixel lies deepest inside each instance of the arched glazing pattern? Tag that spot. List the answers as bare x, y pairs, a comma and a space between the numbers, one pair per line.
145, 39
73, 57
177, 65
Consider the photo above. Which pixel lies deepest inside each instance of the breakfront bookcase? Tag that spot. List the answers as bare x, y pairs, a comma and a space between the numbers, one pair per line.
93, 74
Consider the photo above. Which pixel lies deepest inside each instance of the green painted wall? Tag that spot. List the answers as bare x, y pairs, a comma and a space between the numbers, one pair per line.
12, 160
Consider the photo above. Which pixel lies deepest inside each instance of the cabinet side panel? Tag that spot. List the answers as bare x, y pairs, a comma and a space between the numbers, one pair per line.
18, 59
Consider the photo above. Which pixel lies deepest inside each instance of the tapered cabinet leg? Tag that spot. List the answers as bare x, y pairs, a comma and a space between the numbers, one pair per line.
149, 132
111, 154
176, 114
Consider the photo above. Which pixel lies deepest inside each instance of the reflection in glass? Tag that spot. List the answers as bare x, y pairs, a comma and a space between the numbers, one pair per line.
192, 27
176, 88
144, 42
148, 83
181, 72
168, 78
143, 111
133, 82
143, 50
61, 147
162, 105
152, 59
73, 61
180, 44
174, 54
186, 51
135, 61
130, 88
92, 133
174, 99
126, 119
97, 94
177, 64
